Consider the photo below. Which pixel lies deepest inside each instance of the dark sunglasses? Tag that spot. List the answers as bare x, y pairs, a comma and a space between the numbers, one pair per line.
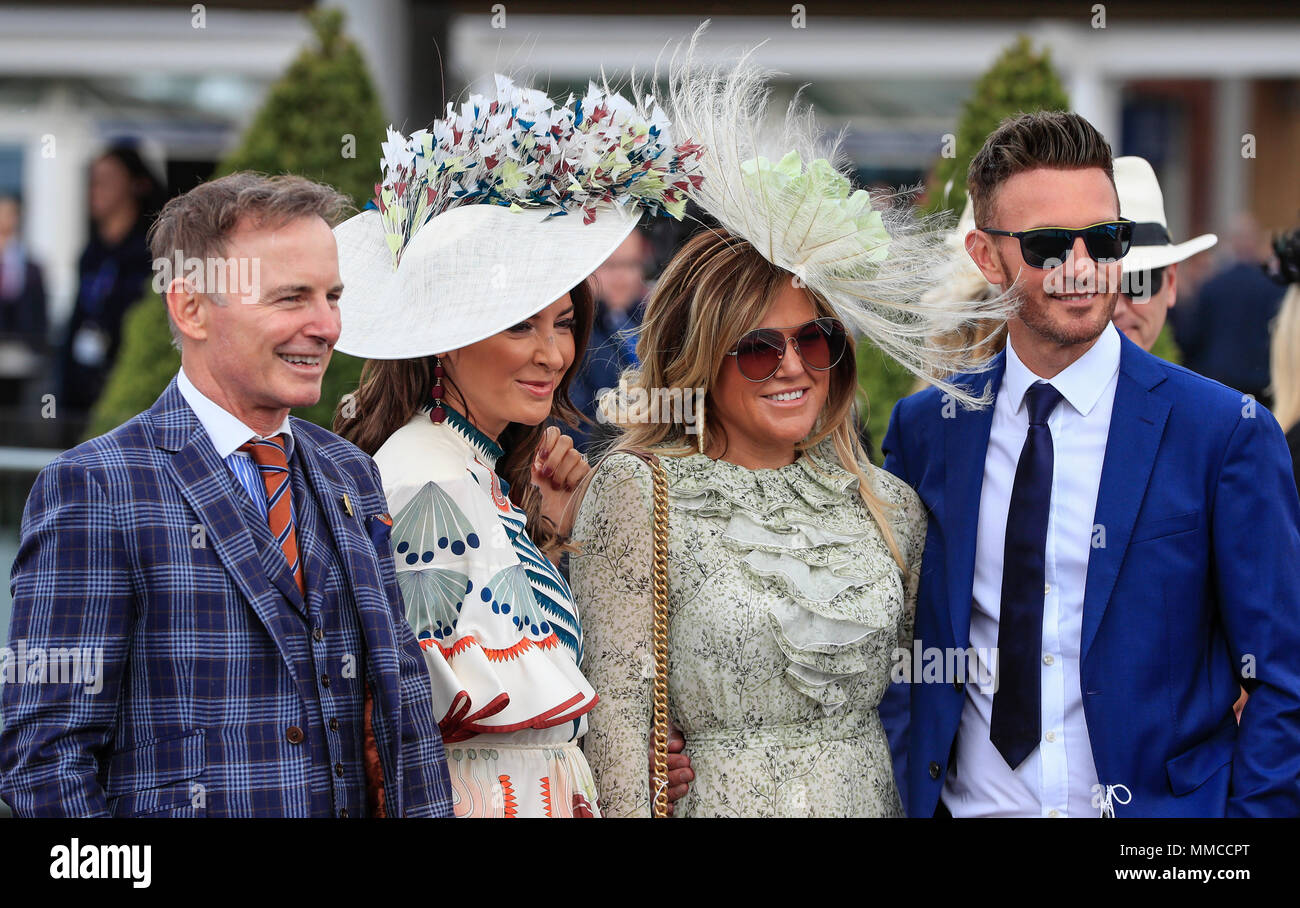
1107, 242
820, 344
1142, 285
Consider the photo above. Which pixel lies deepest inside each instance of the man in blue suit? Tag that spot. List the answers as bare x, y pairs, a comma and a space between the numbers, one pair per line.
224, 568
1114, 538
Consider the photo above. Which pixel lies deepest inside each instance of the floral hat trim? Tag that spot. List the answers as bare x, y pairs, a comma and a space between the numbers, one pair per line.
521, 150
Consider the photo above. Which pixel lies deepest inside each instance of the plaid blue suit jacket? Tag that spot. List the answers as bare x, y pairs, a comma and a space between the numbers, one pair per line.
135, 545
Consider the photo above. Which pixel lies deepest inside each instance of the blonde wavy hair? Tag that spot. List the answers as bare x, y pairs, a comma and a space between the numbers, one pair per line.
1284, 360
716, 288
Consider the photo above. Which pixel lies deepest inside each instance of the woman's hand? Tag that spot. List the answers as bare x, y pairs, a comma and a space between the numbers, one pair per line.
680, 774
1240, 704
558, 467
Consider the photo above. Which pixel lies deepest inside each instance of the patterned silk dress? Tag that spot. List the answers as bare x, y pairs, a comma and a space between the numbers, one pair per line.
496, 622
785, 608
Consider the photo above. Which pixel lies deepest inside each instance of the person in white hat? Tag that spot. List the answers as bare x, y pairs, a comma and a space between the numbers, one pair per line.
466, 290
1150, 281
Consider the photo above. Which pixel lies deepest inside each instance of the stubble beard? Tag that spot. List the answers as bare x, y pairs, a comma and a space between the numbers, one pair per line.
1034, 309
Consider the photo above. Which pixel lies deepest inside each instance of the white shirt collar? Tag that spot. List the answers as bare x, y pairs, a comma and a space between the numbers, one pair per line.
225, 429
1081, 383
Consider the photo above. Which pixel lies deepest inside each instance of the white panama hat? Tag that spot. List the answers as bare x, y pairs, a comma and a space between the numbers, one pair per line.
497, 211
1141, 201
965, 280
467, 274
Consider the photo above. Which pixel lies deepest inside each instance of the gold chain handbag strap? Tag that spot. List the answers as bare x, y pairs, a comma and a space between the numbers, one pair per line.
659, 637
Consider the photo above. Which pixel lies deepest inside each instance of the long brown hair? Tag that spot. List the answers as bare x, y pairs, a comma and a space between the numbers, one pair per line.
392, 390
1284, 361
715, 289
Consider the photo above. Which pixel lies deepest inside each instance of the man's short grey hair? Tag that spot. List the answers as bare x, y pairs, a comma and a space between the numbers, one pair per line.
198, 224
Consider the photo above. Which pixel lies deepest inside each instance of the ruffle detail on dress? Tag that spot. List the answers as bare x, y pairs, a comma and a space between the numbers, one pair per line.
827, 622
820, 589
494, 646
818, 547
812, 488
497, 657
831, 608
530, 684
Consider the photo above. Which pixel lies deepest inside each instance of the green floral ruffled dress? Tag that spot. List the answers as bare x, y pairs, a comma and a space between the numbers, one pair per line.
785, 606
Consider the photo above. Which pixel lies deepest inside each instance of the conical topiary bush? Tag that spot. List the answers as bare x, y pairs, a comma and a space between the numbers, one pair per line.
322, 120
1021, 79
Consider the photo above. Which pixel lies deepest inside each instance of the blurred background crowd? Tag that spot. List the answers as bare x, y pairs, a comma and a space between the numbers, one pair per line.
108, 109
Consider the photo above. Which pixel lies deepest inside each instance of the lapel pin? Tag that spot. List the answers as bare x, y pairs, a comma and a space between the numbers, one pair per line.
347, 505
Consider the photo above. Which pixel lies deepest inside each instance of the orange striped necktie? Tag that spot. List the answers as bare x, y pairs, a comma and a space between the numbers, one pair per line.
268, 454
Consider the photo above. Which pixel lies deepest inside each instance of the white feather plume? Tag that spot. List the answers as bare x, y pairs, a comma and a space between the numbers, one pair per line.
776, 183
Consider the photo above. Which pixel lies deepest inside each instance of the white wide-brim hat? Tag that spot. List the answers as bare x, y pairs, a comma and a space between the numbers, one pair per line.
1141, 201
467, 274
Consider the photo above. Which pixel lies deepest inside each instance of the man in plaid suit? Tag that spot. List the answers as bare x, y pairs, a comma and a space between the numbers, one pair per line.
228, 567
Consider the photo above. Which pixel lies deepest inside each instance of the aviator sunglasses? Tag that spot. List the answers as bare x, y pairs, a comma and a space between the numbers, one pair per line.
1107, 242
820, 344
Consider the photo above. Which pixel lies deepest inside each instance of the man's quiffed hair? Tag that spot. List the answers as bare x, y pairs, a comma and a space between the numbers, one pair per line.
1047, 138
198, 224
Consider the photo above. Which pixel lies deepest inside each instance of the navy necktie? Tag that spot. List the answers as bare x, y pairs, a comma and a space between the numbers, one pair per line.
1017, 714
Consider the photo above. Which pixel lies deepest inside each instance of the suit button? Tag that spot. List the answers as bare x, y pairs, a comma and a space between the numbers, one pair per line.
343, 813
324, 680
338, 770
293, 734
334, 724
934, 770
318, 635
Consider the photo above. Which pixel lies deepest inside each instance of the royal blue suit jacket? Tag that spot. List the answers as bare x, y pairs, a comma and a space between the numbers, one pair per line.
206, 669
1196, 590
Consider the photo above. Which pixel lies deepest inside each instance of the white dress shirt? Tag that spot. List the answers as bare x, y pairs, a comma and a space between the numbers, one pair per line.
1057, 778
228, 433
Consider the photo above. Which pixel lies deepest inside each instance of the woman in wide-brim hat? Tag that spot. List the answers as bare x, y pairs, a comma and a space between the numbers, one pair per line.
466, 290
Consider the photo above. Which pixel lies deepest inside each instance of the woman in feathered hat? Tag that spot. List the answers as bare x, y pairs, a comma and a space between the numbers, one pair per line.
466, 291
792, 561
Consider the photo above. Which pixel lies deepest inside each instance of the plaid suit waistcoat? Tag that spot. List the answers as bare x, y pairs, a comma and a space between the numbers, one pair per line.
332, 656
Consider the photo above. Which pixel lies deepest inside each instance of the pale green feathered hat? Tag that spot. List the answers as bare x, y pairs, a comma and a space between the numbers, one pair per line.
776, 183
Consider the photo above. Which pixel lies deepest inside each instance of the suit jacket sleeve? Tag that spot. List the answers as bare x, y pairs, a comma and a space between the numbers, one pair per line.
895, 706
892, 447
1256, 539
426, 786
71, 589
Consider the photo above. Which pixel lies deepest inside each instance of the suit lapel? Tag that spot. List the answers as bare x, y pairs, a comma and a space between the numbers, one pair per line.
351, 544
312, 548
966, 442
1137, 423
360, 564
272, 556
204, 481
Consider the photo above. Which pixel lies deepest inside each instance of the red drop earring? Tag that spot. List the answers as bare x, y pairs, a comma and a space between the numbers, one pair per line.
438, 413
